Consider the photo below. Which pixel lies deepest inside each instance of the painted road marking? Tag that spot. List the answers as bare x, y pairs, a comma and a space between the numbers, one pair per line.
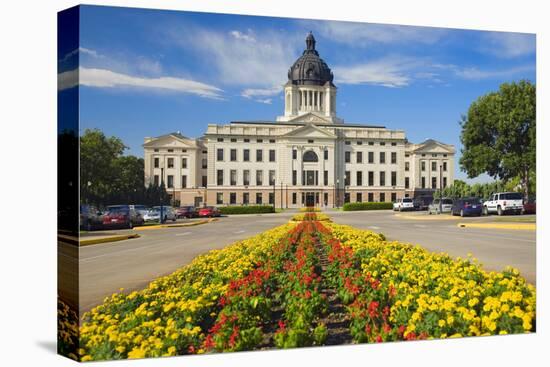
374, 227
241, 231
420, 225
183, 234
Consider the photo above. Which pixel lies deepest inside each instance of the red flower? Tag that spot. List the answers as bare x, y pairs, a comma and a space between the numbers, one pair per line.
208, 342
191, 349
379, 339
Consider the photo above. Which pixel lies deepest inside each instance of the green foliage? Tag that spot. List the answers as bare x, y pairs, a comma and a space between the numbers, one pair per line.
461, 189
247, 209
109, 177
499, 134
366, 206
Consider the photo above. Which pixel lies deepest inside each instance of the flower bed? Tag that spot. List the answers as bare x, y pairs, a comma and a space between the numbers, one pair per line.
309, 216
271, 291
247, 209
366, 206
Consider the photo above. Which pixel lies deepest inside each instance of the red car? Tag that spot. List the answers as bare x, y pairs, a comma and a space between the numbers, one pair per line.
209, 211
186, 212
120, 216
530, 207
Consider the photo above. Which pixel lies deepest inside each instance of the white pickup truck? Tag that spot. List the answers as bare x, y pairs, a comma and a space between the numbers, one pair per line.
504, 202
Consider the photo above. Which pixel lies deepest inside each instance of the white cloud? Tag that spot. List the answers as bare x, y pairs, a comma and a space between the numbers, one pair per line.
102, 78
474, 73
362, 34
508, 45
260, 94
243, 36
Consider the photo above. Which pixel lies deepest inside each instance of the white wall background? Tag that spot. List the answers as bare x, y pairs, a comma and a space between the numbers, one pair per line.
28, 232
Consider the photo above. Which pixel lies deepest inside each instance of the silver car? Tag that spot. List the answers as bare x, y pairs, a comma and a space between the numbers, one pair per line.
446, 206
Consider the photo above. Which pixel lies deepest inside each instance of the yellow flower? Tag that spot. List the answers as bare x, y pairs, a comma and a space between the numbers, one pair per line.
136, 353
441, 323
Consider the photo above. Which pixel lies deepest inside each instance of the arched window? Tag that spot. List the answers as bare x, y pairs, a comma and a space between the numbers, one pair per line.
310, 156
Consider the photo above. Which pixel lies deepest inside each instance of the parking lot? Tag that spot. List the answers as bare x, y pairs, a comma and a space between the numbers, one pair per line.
132, 264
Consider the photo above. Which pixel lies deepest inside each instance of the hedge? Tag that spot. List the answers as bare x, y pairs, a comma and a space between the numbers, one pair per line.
367, 206
247, 209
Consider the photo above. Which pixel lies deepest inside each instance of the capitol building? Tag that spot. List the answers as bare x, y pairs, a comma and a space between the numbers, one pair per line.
306, 157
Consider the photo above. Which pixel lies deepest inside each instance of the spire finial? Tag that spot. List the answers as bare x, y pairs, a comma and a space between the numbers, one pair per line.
310, 41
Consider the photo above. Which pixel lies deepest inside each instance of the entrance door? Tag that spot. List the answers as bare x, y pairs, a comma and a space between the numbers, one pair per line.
310, 199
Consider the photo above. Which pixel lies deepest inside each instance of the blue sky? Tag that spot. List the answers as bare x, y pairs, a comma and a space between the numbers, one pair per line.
150, 72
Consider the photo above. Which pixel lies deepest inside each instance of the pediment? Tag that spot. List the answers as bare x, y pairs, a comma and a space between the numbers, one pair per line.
311, 117
310, 131
434, 147
171, 141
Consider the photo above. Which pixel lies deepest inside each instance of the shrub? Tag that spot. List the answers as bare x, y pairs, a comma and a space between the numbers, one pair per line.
247, 209
367, 206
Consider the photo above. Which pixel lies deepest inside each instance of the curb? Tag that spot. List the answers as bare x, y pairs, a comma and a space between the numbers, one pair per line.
143, 228
115, 238
427, 217
513, 226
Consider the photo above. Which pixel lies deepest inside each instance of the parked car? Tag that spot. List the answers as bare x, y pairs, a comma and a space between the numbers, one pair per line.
530, 206
403, 204
141, 209
422, 202
90, 218
503, 203
122, 216
467, 206
209, 211
168, 213
446, 206
186, 212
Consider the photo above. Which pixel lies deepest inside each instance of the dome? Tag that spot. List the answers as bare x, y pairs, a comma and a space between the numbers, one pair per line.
310, 69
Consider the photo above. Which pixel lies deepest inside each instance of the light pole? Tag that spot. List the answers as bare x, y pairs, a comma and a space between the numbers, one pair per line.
440, 188
286, 196
338, 192
161, 219
333, 194
282, 195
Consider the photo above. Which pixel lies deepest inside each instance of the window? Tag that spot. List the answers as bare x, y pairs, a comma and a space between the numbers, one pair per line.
382, 157
371, 157
233, 155
170, 183
393, 178
445, 166
170, 162
359, 197
219, 155
232, 198
156, 180
371, 143
370, 197
258, 198
434, 166
184, 163
407, 155
382, 178
382, 143
246, 198
156, 163
271, 177
348, 142
271, 198
246, 177
310, 178
170, 150
272, 155
393, 197
204, 181
156, 150
259, 155
423, 182
407, 182
444, 182
233, 140
272, 141
294, 198
348, 157
359, 142
233, 177
393, 157
219, 198
347, 178
393, 144
220, 177
325, 198
246, 140
406, 166
204, 163
325, 178
246, 155
371, 178
359, 178
294, 154
359, 157
311, 141
259, 140
382, 197
310, 156
434, 155
220, 140
445, 155
423, 155
346, 197
434, 182
184, 181
294, 177
423, 165
204, 152
259, 178
325, 153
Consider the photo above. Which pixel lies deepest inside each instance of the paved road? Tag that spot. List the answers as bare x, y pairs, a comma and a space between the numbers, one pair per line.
495, 248
132, 264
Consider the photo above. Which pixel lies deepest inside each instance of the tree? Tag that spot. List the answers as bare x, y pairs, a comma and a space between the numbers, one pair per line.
499, 134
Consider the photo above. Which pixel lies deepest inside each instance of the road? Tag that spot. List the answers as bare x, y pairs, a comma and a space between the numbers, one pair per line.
132, 264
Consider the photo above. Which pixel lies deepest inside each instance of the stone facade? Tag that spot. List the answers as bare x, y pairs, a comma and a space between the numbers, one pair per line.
307, 156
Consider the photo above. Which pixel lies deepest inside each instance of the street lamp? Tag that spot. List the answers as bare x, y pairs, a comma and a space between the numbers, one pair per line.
338, 192
274, 188
161, 218
440, 188
282, 195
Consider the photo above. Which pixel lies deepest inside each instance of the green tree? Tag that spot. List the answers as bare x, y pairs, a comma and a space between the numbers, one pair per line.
499, 134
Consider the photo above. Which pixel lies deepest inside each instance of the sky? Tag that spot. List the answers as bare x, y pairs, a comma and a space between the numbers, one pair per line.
150, 72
